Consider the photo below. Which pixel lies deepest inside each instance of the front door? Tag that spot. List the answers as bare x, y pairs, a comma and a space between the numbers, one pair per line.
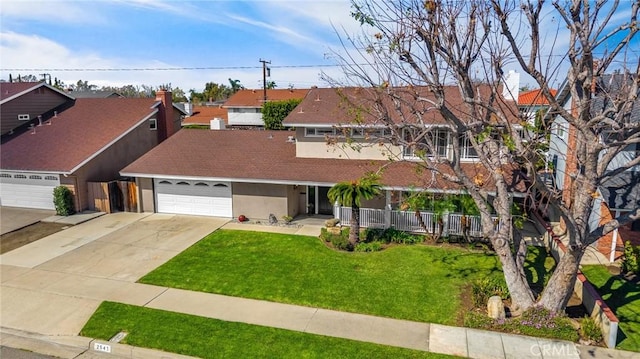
324, 205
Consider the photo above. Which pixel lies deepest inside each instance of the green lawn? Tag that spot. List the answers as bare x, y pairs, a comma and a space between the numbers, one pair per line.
417, 282
210, 338
623, 298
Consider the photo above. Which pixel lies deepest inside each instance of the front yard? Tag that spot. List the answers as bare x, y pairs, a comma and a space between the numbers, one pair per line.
420, 283
623, 297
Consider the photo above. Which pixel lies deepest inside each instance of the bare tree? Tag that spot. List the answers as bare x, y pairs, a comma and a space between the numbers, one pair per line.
426, 66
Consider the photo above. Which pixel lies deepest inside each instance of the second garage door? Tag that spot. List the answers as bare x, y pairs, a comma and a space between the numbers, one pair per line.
203, 198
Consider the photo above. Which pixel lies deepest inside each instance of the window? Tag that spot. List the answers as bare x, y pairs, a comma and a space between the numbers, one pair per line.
20, 176
466, 149
220, 185
153, 124
422, 142
201, 184
5, 175
361, 132
35, 177
258, 110
51, 178
23, 117
318, 131
182, 183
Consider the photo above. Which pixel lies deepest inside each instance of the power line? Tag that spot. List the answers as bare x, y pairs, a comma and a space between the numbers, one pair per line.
165, 68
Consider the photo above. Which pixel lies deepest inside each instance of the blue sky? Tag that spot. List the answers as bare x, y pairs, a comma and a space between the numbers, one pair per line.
120, 34
161, 34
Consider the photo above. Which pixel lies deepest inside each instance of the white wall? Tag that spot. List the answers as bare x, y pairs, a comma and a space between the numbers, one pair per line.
244, 117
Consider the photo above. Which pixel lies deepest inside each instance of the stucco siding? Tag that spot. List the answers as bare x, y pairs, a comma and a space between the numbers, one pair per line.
244, 117
258, 200
146, 199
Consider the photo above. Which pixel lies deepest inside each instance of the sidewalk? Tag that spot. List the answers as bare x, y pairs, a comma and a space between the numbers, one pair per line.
48, 301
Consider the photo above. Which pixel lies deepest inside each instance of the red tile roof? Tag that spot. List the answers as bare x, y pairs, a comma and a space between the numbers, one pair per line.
255, 98
331, 106
74, 135
202, 115
534, 97
266, 156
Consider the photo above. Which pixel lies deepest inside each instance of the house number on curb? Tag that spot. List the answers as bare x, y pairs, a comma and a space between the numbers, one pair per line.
99, 347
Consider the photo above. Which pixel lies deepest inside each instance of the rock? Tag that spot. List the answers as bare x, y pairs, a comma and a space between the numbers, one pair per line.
331, 222
273, 219
495, 308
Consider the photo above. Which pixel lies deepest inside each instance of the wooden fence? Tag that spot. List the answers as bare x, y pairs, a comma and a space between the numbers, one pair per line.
113, 196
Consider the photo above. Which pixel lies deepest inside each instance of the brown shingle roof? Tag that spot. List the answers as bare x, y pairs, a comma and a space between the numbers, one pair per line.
266, 156
74, 135
202, 115
255, 98
331, 106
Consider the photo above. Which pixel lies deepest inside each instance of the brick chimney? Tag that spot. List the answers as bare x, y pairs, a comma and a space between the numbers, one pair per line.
165, 115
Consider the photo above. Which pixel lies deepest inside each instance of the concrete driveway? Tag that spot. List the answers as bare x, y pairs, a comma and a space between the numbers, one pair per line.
13, 218
52, 286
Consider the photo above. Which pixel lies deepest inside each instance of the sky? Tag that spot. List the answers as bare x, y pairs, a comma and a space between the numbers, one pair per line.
226, 38
210, 41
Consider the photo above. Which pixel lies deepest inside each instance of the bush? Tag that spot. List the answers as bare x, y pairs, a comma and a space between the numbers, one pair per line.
368, 247
273, 112
338, 240
590, 330
391, 235
486, 288
63, 201
631, 258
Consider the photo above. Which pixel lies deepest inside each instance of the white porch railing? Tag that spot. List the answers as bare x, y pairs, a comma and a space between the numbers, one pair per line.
452, 224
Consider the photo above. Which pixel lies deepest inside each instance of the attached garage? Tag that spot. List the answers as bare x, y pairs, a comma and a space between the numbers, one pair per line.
28, 190
203, 198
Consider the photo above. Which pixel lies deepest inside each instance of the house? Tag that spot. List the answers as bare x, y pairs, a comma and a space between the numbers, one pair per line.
22, 102
620, 193
89, 141
202, 115
228, 173
533, 102
93, 94
245, 106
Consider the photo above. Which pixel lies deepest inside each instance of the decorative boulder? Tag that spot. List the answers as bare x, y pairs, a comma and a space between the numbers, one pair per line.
331, 222
272, 219
495, 308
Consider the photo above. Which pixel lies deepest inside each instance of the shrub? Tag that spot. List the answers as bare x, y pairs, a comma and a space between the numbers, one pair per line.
486, 288
287, 218
391, 235
338, 240
273, 112
590, 330
631, 258
332, 222
368, 247
63, 201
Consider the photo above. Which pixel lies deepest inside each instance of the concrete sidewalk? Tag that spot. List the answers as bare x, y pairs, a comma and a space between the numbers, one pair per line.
50, 289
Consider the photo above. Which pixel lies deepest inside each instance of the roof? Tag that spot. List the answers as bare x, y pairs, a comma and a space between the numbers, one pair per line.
202, 115
334, 106
611, 85
75, 135
267, 157
11, 90
255, 98
534, 97
622, 191
94, 94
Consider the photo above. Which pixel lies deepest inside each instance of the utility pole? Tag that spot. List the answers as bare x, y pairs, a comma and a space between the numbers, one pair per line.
265, 72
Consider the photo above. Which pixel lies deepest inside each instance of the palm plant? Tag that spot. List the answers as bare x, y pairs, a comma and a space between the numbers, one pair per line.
351, 193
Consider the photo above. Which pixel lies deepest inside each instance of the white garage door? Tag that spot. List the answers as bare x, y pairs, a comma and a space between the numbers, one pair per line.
203, 198
28, 190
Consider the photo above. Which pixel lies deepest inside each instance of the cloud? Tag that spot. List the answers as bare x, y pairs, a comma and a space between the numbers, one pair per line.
50, 11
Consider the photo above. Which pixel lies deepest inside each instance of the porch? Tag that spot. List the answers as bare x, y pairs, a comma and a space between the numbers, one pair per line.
452, 224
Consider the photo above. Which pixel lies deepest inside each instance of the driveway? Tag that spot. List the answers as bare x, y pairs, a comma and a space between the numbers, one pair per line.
13, 218
52, 286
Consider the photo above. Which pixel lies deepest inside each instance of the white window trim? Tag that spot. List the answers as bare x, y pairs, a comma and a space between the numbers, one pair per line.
153, 124
409, 153
313, 131
465, 146
24, 117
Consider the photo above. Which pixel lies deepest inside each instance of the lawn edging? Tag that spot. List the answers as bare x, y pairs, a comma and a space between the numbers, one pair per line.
591, 299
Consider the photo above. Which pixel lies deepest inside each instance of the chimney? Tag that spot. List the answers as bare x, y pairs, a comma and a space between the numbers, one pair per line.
511, 86
216, 124
165, 115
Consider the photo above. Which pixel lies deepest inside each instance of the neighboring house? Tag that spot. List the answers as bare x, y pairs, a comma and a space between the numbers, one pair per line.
22, 102
245, 106
202, 115
93, 94
90, 141
256, 173
532, 102
618, 195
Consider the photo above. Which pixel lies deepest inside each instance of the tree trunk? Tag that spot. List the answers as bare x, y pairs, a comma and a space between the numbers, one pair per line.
521, 295
354, 230
421, 221
557, 293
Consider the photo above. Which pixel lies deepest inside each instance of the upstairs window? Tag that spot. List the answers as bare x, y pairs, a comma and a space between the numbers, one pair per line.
24, 117
466, 149
421, 142
153, 124
319, 131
